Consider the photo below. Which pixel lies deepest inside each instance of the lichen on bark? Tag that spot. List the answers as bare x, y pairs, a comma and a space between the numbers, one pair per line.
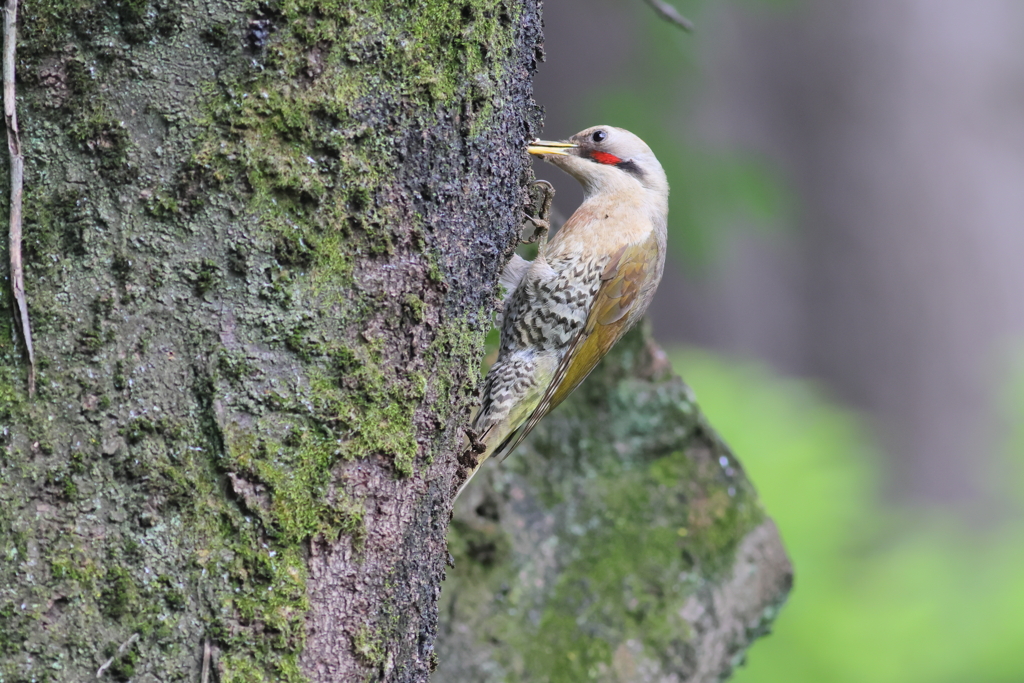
623, 543
262, 244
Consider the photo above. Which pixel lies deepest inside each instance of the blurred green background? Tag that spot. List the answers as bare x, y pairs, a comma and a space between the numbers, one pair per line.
844, 296
884, 592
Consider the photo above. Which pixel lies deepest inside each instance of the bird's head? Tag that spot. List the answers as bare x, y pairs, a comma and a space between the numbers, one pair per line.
606, 159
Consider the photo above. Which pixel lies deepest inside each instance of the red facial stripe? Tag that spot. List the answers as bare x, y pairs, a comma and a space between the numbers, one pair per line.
605, 158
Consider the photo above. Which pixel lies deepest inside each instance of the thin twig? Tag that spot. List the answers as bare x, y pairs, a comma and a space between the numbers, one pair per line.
120, 651
671, 14
206, 661
17, 181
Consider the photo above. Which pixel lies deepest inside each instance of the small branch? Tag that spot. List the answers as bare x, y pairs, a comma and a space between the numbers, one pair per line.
17, 181
120, 651
671, 14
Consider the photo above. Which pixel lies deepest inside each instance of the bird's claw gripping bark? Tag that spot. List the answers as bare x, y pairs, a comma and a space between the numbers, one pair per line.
542, 220
475, 444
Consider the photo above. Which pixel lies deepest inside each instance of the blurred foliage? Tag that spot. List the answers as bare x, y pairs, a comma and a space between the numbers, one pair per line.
714, 191
883, 593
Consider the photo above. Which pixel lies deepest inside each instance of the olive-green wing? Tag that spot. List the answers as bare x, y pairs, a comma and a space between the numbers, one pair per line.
623, 284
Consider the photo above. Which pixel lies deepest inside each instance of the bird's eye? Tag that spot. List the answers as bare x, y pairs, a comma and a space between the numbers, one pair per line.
599, 136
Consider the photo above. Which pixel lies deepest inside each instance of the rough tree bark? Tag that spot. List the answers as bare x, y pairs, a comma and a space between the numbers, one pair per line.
262, 248
262, 244
623, 543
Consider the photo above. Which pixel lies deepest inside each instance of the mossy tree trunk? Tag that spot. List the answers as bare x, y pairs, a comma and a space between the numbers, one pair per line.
262, 242
623, 543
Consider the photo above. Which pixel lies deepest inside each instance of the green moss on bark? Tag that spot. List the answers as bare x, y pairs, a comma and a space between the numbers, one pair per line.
253, 264
620, 511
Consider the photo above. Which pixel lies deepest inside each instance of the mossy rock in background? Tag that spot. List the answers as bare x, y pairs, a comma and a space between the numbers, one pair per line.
622, 543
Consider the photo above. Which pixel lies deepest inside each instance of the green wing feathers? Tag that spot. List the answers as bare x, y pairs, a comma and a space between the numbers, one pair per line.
623, 282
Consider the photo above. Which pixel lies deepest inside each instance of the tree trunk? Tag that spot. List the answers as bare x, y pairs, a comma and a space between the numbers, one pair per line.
261, 250
623, 543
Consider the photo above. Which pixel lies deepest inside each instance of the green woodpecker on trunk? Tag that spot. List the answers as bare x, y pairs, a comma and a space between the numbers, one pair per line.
586, 288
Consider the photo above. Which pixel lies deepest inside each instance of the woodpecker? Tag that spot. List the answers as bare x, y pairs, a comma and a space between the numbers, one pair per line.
588, 286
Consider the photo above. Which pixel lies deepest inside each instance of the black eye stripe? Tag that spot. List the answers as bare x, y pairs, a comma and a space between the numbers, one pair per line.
630, 167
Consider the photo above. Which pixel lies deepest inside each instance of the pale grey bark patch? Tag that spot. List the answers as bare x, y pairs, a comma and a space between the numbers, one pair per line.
621, 543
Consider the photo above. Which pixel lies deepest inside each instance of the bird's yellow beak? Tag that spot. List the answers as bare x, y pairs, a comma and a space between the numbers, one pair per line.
545, 147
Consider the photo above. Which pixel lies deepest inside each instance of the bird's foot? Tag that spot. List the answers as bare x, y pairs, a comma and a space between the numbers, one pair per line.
544, 192
475, 444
